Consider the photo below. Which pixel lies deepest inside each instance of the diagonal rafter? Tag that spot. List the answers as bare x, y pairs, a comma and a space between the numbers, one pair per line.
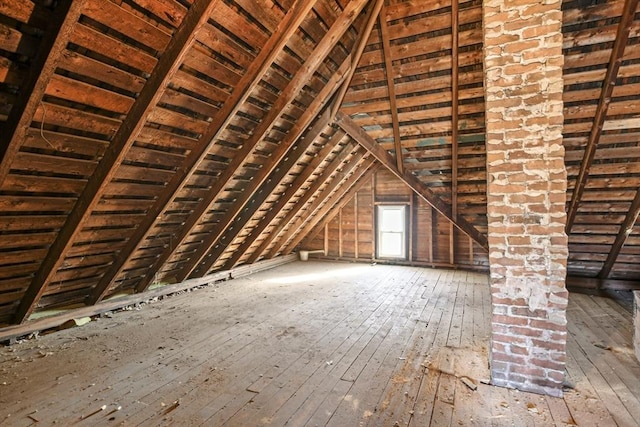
313, 188
203, 258
242, 211
358, 134
359, 50
167, 65
455, 77
336, 200
241, 92
335, 209
357, 54
617, 53
54, 42
625, 230
388, 64
284, 198
340, 26
208, 257
321, 195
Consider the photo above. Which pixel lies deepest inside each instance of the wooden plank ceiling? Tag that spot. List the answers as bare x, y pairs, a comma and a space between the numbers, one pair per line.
149, 141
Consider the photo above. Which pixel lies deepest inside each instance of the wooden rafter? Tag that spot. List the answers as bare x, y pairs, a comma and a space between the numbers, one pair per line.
455, 76
284, 198
241, 92
617, 53
316, 58
625, 230
386, 51
357, 54
350, 63
336, 200
54, 42
313, 188
328, 180
243, 208
236, 217
320, 196
168, 64
358, 134
575, 284
335, 210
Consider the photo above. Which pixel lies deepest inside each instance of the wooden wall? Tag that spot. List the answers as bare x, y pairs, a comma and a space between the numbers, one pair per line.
349, 233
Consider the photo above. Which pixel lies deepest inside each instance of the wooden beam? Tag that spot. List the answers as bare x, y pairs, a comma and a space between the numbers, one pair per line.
455, 77
168, 64
617, 53
340, 231
374, 217
360, 136
326, 239
313, 190
386, 53
433, 236
302, 178
292, 90
412, 226
355, 59
241, 92
575, 282
214, 244
356, 228
54, 41
625, 230
243, 209
350, 193
337, 201
285, 198
324, 175
357, 54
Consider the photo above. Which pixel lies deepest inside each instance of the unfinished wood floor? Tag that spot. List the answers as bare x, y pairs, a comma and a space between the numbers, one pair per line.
313, 344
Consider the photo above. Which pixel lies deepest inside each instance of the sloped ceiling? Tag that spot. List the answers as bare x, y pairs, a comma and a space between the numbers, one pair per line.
149, 141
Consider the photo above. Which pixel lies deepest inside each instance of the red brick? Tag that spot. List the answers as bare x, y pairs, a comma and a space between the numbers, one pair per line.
544, 324
524, 351
549, 345
510, 320
529, 371
509, 339
547, 364
527, 188
510, 358
525, 332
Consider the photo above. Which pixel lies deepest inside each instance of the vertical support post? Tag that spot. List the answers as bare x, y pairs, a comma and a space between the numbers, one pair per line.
374, 225
326, 239
412, 226
636, 323
355, 225
454, 129
433, 243
526, 193
340, 238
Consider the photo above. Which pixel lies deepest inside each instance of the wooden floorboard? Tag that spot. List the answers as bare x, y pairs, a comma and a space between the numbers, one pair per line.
314, 344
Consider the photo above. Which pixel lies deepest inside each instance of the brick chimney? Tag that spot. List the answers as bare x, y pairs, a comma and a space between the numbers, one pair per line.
526, 190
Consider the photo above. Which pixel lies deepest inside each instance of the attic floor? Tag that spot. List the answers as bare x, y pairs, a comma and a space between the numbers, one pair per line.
314, 343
